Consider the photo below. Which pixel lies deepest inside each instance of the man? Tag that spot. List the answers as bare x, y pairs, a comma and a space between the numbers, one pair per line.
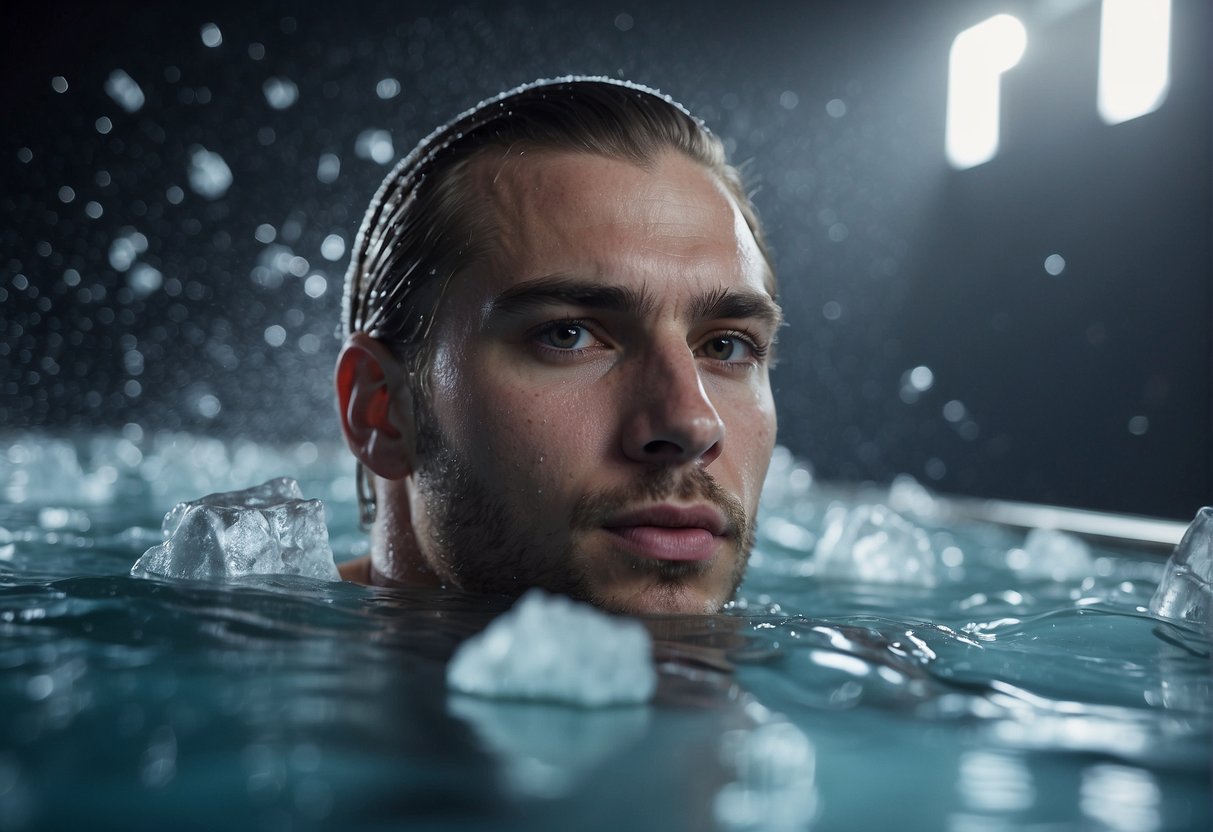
560, 315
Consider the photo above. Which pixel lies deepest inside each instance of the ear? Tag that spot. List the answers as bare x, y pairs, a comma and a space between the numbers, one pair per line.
376, 407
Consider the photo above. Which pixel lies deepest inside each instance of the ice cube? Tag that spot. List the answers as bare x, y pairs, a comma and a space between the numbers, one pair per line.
1185, 592
553, 649
269, 529
1060, 556
876, 544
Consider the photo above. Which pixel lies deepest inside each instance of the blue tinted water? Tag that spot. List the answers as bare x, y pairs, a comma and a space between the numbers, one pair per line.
1003, 697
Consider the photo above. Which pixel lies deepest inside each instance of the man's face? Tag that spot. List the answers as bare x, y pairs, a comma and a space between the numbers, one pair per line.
600, 417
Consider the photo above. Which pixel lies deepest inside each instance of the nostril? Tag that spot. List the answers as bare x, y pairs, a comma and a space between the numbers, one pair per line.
662, 447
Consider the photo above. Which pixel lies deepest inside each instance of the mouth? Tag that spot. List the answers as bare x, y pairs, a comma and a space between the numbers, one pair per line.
669, 533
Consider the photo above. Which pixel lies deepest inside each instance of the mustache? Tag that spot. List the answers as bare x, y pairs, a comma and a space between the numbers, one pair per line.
658, 485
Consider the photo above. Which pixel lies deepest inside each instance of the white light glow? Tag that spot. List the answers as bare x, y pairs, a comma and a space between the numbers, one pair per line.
1134, 58
979, 57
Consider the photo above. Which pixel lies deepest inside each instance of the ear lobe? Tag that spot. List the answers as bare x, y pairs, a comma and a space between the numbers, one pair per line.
375, 406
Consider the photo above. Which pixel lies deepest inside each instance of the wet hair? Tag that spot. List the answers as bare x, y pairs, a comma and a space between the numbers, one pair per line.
426, 222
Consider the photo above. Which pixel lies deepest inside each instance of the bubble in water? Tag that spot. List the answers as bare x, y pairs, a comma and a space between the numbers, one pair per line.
209, 175
375, 145
280, 93
126, 93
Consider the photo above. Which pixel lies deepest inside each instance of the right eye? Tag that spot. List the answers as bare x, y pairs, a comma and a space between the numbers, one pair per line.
565, 335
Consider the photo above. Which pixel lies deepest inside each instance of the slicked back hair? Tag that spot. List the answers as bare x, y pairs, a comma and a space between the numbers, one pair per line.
426, 223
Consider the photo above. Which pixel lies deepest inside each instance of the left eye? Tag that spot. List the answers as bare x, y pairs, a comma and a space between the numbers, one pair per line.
566, 337
727, 348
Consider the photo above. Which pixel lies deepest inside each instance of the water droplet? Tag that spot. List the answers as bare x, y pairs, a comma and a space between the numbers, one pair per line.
211, 36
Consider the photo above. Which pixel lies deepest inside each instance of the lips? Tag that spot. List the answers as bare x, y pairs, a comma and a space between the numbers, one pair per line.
672, 533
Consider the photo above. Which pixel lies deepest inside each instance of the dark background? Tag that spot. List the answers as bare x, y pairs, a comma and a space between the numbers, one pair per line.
1090, 389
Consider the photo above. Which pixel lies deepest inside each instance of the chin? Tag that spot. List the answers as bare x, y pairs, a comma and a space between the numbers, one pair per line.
661, 598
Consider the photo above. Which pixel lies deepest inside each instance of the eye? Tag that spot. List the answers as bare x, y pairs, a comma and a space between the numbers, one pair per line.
565, 335
729, 348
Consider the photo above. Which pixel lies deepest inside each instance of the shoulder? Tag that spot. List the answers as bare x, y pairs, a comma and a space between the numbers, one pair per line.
357, 570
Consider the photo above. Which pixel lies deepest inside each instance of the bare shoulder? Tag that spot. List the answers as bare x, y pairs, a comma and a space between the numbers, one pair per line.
357, 570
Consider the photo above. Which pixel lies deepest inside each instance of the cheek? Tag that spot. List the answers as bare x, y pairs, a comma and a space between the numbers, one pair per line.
750, 437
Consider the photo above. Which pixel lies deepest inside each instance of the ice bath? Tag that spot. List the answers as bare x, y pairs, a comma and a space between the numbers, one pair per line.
990, 247
996, 685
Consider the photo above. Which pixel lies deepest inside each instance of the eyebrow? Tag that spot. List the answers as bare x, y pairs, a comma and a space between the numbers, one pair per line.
721, 303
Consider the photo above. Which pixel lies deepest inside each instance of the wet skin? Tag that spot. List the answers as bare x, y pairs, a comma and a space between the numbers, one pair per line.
600, 419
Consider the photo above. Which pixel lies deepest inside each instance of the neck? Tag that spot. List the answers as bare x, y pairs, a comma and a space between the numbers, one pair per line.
396, 558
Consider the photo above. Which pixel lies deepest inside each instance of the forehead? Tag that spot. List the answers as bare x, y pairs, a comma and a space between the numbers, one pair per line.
668, 224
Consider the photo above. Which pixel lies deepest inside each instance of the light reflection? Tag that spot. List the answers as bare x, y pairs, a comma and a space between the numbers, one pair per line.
1120, 798
994, 782
979, 57
1134, 58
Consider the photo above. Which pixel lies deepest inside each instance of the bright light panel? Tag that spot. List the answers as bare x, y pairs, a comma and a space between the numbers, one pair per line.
979, 57
1134, 58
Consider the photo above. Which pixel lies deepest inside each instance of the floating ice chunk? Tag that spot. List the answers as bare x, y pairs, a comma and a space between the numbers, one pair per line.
1186, 590
553, 649
209, 175
874, 543
908, 496
280, 93
49, 470
1048, 553
265, 530
124, 90
375, 145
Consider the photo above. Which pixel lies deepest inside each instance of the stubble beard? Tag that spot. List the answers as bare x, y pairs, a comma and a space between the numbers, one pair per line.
477, 544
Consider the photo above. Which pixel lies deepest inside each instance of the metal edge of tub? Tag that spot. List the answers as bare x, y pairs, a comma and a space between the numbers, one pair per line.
1124, 529
1156, 535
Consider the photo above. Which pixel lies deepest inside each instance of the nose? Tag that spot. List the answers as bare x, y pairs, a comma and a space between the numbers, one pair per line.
670, 419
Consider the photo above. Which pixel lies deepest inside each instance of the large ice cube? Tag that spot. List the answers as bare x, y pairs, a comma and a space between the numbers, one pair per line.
269, 529
1186, 590
553, 649
874, 543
